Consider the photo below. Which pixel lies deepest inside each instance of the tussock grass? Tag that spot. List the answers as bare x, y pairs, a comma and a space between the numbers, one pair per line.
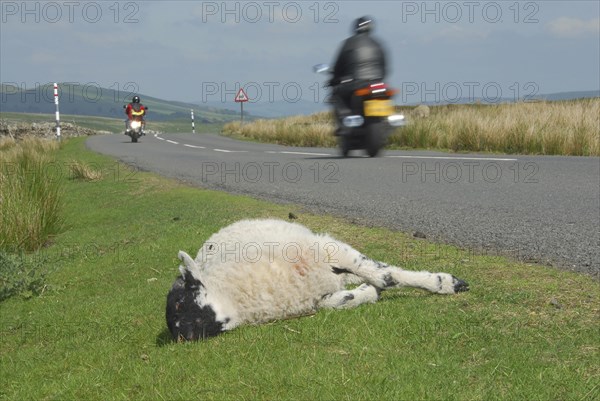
82, 171
549, 128
30, 193
545, 128
303, 131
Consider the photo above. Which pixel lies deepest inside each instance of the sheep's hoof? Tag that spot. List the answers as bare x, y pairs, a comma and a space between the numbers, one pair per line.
460, 285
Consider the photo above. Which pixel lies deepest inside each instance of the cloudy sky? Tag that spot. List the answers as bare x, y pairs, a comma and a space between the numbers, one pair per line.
203, 51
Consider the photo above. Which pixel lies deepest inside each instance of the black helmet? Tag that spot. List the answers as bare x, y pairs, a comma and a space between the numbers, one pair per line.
363, 24
136, 99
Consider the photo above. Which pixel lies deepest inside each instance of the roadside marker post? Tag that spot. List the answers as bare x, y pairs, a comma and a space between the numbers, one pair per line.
193, 126
58, 137
241, 98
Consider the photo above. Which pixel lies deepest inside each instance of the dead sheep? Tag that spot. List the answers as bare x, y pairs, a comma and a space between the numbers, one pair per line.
255, 271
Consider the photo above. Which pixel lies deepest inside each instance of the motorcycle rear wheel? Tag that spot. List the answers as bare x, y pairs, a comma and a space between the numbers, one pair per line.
375, 139
344, 144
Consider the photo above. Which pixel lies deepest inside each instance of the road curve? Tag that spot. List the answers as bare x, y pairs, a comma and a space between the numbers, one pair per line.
538, 209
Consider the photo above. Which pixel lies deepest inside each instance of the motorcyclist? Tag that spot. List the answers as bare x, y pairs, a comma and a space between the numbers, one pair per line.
360, 61
135, 108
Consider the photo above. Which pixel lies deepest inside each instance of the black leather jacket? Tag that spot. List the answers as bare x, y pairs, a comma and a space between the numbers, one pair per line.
360, 58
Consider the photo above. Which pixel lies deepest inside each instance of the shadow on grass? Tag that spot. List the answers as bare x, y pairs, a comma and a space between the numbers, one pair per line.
164, 338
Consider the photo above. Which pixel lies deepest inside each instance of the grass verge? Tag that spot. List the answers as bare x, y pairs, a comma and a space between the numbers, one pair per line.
30, 193
548, 128
98, 332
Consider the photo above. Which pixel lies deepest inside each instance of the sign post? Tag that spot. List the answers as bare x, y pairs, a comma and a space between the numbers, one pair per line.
193, 126
57, 112
240, 98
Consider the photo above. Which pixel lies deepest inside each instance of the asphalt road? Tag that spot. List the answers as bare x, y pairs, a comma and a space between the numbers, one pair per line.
539, 209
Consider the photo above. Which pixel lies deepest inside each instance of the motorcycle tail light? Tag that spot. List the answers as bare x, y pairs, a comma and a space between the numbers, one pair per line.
375, 89
362, 91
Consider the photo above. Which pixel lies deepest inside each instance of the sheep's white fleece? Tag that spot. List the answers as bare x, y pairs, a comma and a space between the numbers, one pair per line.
260, 270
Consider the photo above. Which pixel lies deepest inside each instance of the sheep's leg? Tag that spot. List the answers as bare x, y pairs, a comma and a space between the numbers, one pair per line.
384, 276
346, 299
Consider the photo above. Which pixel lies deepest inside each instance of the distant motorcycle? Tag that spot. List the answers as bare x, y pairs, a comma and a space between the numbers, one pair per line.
136, 124
371, 119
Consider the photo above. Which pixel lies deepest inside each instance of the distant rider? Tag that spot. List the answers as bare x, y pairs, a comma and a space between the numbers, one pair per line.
361, 61
135, 109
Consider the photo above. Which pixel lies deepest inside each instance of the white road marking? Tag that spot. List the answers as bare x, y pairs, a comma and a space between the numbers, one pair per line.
230, 151
303, 153
496, 159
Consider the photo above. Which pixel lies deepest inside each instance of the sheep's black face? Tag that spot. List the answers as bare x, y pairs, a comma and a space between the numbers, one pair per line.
187, 320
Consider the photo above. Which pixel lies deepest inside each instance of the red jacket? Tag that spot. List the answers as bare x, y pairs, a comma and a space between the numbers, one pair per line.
135, 109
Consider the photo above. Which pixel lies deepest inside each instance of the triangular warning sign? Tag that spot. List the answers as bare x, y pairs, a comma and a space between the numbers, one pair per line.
241, 96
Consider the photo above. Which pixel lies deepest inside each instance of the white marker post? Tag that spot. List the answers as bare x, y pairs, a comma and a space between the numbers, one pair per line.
193, 126
57, 112
240, 98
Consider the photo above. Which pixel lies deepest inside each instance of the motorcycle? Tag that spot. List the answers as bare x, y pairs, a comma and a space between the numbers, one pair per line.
371, 120
134, 127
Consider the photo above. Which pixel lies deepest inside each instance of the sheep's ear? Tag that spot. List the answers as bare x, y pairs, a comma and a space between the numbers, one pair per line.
189, 270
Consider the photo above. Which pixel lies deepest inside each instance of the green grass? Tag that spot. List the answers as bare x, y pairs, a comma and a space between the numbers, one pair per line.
98, 331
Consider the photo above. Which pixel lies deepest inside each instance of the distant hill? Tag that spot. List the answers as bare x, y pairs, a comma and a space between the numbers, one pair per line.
550, 97
275, 109
569, 95
104, 102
